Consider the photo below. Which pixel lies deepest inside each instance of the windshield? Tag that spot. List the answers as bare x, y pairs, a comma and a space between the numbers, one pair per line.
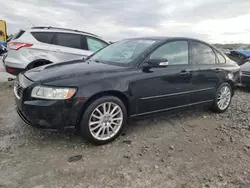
123, 52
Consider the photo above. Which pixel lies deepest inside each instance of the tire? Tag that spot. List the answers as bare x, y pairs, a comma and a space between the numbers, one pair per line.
110, 127
217, 107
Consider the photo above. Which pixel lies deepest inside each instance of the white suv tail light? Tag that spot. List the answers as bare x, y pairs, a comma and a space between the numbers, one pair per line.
18, 45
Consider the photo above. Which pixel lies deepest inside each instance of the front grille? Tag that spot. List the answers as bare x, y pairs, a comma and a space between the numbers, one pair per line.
18, 90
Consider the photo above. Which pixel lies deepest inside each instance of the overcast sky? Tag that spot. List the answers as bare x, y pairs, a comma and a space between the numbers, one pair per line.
222, 21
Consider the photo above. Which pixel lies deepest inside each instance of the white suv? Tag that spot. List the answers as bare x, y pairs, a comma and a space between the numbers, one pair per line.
38, 46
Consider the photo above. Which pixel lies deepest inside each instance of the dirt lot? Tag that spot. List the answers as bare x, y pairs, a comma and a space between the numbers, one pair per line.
195, 148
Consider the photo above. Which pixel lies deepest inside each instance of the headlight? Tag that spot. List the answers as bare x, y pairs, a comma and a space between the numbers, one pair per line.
43, 92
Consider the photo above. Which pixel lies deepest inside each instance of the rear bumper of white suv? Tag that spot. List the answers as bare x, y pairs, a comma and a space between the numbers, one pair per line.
11, 66
16, 61
13, 71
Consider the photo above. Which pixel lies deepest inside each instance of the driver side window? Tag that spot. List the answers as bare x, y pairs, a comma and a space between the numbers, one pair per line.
175, 52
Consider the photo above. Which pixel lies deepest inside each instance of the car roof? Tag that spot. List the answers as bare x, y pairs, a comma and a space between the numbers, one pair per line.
63, 30
151, 38
165, 38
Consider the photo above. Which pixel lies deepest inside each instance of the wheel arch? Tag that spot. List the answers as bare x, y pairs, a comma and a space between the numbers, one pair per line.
232, 84
123, 97
227, 81
31, 64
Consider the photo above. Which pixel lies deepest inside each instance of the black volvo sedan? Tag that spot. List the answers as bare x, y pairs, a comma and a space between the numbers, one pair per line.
130, 78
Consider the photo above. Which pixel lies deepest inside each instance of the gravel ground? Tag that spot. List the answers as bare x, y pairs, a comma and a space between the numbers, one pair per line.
195, 148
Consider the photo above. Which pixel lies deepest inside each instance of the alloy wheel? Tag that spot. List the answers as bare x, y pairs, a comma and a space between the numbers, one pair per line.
105, 121
224, 97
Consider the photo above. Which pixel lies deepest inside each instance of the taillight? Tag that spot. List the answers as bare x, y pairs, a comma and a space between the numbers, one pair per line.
11, 70
18, 45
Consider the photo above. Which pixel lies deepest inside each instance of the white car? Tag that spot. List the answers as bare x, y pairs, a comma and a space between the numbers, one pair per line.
38, 46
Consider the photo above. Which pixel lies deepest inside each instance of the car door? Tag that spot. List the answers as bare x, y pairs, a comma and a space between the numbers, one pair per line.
166, 88
205, 72
68, 46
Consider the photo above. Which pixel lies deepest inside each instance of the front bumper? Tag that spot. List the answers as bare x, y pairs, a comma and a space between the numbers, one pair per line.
50, 115
46, 114
24, 118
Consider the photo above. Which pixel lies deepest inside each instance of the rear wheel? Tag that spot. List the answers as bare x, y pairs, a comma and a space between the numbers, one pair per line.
222, 98
103, 120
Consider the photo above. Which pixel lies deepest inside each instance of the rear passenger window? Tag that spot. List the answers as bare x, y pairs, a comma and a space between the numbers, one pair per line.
69, 40
45, 37
95, 44
220, 57
202, 54
175, 52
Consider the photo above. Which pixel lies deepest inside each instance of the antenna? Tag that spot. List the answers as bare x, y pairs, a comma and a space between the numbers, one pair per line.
31, 23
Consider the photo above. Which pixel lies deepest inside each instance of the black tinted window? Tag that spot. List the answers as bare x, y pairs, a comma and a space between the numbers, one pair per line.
45, 37
175, 52
220, 57
69, 40
202, 54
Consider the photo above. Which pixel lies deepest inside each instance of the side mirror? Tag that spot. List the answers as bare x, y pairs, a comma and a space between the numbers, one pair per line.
156, 63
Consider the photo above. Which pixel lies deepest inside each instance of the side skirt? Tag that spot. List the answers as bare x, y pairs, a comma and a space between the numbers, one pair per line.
172, 108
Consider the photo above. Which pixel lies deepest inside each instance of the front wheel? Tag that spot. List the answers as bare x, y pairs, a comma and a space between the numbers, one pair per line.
103, 120
222, 98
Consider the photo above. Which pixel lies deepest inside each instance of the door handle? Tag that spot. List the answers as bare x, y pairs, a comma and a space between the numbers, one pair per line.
185, 72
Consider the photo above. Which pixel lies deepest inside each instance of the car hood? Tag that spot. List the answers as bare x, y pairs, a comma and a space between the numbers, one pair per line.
69, 69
